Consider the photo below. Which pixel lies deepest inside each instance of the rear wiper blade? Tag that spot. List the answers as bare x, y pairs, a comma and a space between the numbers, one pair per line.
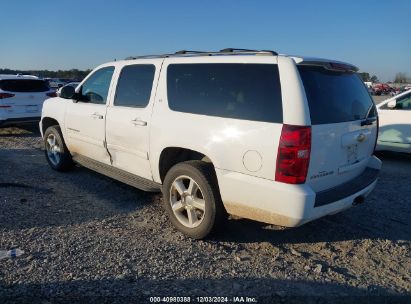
367, 121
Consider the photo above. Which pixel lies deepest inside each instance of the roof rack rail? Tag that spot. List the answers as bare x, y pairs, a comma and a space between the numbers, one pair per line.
183, 52
148, 56
227, 51
233, 50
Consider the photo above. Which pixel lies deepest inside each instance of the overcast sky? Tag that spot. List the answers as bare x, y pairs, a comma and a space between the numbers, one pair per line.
374, 35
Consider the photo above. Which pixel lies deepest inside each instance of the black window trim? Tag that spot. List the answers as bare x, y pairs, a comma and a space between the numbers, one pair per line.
118, 81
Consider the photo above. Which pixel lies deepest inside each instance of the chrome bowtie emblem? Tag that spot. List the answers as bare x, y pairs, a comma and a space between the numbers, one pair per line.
361, 137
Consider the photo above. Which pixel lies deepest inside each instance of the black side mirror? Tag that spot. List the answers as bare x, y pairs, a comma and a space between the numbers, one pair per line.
67, 92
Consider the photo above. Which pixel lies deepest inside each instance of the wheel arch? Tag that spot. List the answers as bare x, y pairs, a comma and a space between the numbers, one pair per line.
47, 122
171, 156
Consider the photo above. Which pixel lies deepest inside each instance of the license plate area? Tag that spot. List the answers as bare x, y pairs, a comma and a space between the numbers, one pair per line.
352, 154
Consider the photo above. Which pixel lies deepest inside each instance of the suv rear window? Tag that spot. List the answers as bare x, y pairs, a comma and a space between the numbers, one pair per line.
24, 85
335, 96
241, 91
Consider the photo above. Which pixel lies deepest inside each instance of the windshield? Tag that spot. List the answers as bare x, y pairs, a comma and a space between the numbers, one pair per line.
335, 96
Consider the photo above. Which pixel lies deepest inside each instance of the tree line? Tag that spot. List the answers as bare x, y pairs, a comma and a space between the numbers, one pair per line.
399, 77
79, 74
366, 77
69, 74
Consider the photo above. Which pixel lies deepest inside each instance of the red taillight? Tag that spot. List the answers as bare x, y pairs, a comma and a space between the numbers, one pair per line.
5, 95
52, 94
293, 155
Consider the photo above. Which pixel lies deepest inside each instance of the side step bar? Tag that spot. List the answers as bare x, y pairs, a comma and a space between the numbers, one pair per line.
118, 174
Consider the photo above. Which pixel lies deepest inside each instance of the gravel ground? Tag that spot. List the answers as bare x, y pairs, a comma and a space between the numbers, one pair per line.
91, 239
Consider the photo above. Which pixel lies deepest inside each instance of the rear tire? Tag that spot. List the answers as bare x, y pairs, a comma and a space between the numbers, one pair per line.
57, 154
192, 199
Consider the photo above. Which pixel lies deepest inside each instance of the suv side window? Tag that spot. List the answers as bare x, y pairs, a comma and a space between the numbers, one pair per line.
95, 89
134, 85
232, 90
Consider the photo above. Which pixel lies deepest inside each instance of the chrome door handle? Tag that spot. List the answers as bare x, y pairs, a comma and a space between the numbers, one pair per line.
97, 115
138, 122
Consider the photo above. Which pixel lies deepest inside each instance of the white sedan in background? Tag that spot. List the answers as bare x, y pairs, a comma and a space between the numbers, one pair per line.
395, 123
21, 98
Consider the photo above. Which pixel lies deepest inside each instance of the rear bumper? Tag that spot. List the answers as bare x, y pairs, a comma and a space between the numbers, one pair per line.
16, 121
290, 205
352, 187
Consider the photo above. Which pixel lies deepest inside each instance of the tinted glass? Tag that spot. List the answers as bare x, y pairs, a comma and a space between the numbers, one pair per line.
24, 85
134, 85
95, 89
242, 91
335, 96
404, 102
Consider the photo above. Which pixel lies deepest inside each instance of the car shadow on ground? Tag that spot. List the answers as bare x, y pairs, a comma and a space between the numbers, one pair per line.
140, 290
27, 130
339, 227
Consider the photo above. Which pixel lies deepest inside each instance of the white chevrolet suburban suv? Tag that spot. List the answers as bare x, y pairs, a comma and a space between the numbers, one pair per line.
273, 138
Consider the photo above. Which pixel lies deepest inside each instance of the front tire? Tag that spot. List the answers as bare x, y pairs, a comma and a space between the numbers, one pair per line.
192, 199
57, 154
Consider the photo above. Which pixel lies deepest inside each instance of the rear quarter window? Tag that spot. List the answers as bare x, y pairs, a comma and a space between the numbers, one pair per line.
335, 96
24, 85
240, 91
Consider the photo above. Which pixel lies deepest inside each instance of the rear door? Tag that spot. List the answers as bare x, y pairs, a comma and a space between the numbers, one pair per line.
128, 118
344, 125
29, 95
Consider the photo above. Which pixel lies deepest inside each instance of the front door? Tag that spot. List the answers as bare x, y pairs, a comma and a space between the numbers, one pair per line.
128, 119
86, 117
395, 124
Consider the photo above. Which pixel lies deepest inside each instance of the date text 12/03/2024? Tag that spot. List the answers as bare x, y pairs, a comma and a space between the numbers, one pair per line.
237, 299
